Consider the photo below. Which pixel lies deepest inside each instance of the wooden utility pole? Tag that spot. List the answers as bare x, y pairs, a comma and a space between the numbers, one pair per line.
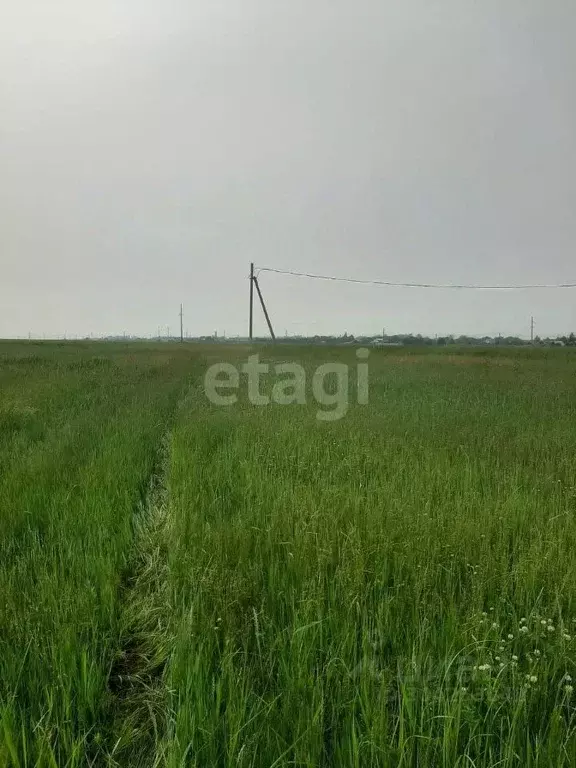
181, 324
532, 330
251, 299
254, 282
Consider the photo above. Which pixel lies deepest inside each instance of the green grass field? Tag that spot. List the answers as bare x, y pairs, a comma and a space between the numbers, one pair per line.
185, 584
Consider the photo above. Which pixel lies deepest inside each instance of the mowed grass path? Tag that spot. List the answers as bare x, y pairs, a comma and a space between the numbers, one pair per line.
396, 588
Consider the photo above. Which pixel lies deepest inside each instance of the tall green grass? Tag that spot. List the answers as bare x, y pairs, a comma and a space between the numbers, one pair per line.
188, 585
396, 588
78, 440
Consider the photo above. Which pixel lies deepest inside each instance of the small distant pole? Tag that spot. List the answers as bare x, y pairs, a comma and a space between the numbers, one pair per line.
532, 330
251, 299
181, 324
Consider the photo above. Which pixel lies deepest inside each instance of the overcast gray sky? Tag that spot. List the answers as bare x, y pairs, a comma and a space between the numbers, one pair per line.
150, 149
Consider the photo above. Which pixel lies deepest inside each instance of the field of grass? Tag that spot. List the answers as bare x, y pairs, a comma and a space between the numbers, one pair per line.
185, 584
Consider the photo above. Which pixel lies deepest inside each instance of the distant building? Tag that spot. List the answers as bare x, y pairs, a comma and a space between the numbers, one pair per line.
383, 343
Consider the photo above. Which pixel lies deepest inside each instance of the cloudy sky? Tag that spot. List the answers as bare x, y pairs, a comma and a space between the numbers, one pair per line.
150, 149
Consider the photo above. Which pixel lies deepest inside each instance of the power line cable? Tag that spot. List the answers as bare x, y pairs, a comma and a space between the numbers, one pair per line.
414, 285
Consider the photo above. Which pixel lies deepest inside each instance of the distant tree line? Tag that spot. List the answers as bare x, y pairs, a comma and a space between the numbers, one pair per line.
420, 340
401, 339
